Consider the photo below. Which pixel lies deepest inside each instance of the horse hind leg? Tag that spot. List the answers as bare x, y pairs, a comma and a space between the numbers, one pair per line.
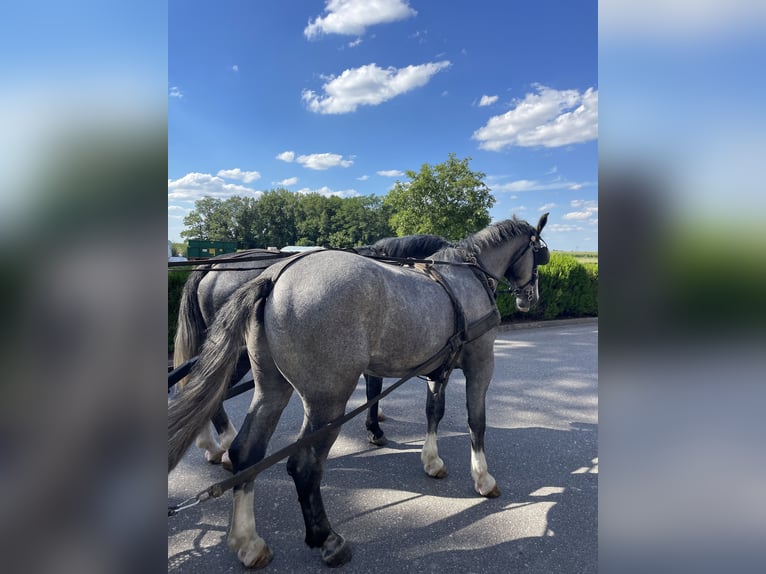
206, 441
432, 464
216, 447
306, 467
216, 437
248, 448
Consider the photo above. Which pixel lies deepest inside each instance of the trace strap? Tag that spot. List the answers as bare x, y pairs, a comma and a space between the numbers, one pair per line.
252, 471
446, 358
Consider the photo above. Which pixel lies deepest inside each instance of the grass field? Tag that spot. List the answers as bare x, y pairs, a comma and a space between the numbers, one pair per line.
582, 256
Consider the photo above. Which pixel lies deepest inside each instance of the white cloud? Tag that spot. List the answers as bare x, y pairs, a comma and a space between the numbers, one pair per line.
175, 92
535, 185
175, 209
363, 177
577, 215
587, 211
354, 43
488, 100
559, 228
546, 207
287, 182
327, 192
239, 175
586, 203
235, 68
390, 173
195, 186
353, 17
323, 161
548, 118
288, 156
369, 85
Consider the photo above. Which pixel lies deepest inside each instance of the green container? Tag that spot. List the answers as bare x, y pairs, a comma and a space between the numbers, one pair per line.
199, 248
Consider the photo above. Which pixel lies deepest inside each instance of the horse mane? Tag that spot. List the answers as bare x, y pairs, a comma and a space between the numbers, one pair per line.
411, 245
494, 234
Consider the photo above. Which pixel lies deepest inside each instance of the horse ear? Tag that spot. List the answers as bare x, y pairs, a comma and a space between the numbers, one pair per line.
542, 222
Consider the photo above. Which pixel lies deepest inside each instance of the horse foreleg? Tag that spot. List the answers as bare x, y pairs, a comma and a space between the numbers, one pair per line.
484, 483
375, 435
429, 456
305, 467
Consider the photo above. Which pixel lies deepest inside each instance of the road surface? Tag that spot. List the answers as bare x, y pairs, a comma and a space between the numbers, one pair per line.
541, 444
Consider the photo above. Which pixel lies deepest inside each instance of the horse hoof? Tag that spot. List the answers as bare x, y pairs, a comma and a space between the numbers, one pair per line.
214, 457
377, 441
494, 493
226, 462
335, 551
438, 473
256, 555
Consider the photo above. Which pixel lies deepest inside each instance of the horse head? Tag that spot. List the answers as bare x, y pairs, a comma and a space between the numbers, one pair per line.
522, 271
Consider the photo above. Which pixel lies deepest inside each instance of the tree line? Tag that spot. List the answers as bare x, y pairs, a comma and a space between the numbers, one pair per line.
447, 199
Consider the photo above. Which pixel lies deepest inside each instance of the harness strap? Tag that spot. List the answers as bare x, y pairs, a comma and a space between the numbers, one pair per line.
464, 332
252, 471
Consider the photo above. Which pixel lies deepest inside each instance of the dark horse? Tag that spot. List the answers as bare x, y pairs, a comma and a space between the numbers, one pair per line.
210, 285
359, 316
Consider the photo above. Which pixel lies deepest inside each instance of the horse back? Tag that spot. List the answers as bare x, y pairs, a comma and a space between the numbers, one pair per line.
339, 307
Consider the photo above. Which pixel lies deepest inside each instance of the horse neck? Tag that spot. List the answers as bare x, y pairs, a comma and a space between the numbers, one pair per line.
497, 258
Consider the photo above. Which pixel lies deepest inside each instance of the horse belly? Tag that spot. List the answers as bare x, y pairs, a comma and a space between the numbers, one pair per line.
417, 323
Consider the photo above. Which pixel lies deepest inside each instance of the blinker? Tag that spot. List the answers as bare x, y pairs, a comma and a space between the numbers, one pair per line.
542, 255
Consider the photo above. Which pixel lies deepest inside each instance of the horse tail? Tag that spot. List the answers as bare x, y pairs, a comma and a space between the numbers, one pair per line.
209, 379
190, 330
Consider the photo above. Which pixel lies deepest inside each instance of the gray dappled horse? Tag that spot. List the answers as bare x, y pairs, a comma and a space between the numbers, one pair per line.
359, 316
210, 285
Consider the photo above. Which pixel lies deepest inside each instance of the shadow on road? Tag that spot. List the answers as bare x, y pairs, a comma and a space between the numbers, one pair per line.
395, 517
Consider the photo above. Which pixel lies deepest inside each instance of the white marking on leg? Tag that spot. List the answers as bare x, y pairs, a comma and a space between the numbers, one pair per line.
228, 436
251, 549
429, 456
206, 440
484, 483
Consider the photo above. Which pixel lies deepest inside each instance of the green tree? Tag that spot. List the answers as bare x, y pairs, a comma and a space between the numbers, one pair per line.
178, 249
363, 220
447, 199
274, 219
217, 219
200, 221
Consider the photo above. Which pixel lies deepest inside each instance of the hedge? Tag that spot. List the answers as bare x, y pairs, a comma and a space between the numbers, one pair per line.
567, 289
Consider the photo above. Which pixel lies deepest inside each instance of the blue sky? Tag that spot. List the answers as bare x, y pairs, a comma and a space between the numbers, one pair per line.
337, 98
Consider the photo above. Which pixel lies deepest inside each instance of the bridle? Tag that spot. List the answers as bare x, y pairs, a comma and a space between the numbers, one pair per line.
540, 256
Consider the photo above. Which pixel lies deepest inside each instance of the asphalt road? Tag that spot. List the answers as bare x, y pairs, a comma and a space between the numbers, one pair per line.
541, 443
